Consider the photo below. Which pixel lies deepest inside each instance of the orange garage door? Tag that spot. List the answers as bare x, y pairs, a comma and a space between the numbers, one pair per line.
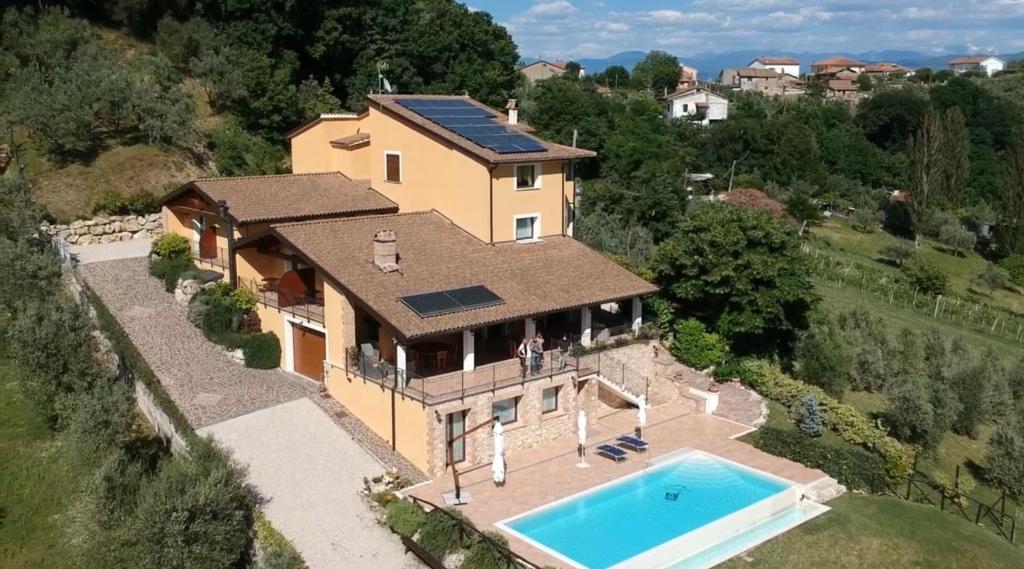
310, 350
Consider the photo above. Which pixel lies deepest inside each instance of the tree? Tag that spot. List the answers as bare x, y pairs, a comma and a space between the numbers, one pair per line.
910, 415
742, 271
658, 71
1004, 461
891, 116
866, 220
822, 357
615, 76
925, 277
993, 278
612, 235
898, 251
958, 238
811, 421
864, 83
939, 159
572, 70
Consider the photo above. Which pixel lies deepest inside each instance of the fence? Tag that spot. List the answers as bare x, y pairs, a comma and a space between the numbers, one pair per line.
468, 535
965, 312
310, 307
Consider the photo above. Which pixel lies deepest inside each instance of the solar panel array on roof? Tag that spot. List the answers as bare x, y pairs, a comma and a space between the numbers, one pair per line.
449, 301
472, 123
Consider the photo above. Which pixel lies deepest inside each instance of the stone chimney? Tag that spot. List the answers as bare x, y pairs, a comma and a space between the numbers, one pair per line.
385, 251
513, 111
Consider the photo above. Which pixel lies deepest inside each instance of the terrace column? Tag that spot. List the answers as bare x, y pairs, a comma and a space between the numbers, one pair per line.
530, 327
585, 326
638, 315
468, 350
400, 365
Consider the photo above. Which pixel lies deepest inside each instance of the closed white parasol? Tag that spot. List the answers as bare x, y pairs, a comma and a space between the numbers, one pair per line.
581, 433
641, 414
498, 463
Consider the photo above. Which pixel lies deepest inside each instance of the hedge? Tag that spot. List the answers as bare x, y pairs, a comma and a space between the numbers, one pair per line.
405, 518
441, 533
170, 270
171, 246
845, 421
261, 351
852, 466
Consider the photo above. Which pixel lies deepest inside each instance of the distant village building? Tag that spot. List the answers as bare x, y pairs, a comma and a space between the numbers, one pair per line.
836, 64
987, 64
697, 101
782, 65
687, 78
843, 90
540, 70
883, 69
760, 80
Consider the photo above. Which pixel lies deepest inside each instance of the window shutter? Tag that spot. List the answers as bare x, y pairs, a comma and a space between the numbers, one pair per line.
393, 167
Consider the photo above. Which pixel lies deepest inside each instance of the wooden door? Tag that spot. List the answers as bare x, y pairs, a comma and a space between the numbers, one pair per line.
309, 349
208, 243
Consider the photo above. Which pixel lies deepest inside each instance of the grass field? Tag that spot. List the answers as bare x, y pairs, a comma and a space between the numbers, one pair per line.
37, 484
883, 533
850, 244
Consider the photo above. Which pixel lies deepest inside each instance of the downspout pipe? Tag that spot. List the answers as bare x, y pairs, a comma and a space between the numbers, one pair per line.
490, 179
222, 208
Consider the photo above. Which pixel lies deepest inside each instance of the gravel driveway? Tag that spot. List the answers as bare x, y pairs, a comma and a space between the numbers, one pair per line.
310, 473
208, 386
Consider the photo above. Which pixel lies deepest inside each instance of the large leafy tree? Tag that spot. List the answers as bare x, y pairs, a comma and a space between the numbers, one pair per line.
658, 71
742, 271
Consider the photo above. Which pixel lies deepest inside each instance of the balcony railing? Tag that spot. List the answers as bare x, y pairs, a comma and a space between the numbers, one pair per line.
310, 307
204, 256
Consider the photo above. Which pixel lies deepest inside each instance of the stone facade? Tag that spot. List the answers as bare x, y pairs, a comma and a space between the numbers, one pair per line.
108, 229
532, 427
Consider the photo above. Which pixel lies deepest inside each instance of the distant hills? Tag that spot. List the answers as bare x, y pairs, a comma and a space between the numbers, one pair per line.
709, 64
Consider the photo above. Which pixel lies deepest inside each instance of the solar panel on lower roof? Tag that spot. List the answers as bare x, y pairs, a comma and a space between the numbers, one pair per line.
468, 121
449, 301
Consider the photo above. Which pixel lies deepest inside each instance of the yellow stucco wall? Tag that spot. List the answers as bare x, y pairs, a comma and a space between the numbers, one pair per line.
272, 320
371, 403
339, 320
251, 265
547, 201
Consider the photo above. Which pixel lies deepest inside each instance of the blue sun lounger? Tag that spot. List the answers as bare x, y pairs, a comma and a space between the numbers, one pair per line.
613, 452
632, 443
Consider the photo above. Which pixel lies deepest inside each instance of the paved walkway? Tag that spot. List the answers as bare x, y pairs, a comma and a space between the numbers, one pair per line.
111, 251
310, 473
208, 386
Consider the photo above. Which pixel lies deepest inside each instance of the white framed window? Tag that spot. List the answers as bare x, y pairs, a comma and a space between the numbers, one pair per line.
393, 167
505, 410
527, 176
549, 399
526, 227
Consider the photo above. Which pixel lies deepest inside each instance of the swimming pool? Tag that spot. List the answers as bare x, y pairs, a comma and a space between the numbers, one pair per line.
662, 516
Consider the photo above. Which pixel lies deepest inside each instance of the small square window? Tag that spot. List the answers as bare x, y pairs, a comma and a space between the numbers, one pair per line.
549, 400
526, 177
393, 167
505, 410
526, 228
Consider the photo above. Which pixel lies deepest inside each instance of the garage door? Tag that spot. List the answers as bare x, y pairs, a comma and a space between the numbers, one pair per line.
310, 350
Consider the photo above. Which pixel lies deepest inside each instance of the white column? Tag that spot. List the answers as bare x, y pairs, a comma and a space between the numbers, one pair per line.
400, 364
531, 328
585, 326
638, 314
468, 350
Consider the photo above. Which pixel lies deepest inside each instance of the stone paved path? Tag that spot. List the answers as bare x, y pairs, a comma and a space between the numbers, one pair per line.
208, 386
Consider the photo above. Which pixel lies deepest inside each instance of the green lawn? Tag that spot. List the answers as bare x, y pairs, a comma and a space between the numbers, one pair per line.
36, 484
850, 244
883, 533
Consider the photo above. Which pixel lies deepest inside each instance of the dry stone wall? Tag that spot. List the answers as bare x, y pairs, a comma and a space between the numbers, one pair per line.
107, 229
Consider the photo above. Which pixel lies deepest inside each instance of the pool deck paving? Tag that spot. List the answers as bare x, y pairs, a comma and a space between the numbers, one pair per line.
541, 475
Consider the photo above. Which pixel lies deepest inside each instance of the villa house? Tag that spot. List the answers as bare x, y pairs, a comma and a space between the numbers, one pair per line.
697, 102
761, 80
781, 65
987, 64
410, 310
836, 64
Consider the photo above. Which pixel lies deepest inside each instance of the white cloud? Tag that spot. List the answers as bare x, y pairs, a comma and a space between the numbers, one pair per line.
554, 8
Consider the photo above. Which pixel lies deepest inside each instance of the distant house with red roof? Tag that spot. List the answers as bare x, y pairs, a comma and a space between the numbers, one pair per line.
835, 64
781, 65
540, 70
882, 68
987, 64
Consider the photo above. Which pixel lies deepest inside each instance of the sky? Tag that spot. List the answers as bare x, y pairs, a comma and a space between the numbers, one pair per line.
599, 28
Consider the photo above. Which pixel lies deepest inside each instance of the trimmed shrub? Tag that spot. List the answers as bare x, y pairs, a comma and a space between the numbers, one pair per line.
483, 555
811, 423
850, 465
276, 552
218, 318
261, 351
242, 299
695, 347
845, 421
170, 270
729, 369
405, 518
926, 277
440, 534
171, 246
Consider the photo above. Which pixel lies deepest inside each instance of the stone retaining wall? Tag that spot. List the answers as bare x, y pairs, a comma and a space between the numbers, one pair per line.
106, 229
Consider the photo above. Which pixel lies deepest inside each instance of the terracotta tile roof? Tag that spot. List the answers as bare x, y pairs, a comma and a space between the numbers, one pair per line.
774, 60
883, 67
754, 72
684, 92
555, 274
287, 197
838, 61
842, 85
351, 140
972, 59
553, 151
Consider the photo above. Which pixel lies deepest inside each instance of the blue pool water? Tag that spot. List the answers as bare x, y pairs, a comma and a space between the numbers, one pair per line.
601, 528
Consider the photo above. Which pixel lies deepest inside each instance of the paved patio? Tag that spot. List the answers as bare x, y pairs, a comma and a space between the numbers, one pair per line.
541, 475
208, 386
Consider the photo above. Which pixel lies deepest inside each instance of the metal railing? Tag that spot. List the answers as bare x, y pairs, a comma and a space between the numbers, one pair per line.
310, 308
220, 260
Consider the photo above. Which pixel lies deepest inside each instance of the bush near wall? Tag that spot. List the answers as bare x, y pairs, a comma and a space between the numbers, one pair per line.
171, 246
694, 346
405, 518
845, 421
262, 350
852, 466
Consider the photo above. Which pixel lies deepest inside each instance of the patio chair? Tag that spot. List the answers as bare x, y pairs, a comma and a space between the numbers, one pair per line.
612, 452
633, 443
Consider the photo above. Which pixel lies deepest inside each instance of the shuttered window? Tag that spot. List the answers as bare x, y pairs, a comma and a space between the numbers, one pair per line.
393, 167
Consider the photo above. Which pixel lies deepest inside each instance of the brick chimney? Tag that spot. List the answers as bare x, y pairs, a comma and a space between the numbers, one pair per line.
513, 111
385, 251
